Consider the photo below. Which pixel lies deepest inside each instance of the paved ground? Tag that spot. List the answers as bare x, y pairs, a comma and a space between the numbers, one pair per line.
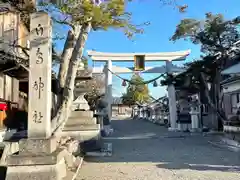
144, 151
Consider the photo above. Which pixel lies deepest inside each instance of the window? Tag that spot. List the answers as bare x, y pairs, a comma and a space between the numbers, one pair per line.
235, 99
205, 108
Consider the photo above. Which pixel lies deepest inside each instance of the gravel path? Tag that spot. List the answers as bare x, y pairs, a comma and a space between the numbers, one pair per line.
144, 151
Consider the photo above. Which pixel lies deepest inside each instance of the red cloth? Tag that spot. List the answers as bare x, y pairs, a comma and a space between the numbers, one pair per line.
3, 107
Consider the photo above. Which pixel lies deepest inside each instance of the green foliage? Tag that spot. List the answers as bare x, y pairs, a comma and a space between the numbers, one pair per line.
85, 61
137, 93
216, 36
190, 80
214, 33
109, 14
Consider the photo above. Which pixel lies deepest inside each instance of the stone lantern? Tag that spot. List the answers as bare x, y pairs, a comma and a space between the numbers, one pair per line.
83, 75
195, 112
135, 111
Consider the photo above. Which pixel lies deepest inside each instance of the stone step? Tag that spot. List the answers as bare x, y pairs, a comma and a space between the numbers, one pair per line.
81, 120
82, 136
81, 114
81, 127
82, 132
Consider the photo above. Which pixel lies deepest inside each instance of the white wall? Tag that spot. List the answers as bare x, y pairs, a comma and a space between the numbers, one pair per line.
230, 97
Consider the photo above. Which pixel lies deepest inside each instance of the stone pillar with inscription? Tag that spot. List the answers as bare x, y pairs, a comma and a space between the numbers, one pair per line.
38, 156
40, 75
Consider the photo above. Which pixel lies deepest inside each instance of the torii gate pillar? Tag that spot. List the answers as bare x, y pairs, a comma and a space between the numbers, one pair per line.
108, 87
171, 100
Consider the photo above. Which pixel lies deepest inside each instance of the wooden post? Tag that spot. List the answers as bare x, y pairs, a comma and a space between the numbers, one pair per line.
40, 75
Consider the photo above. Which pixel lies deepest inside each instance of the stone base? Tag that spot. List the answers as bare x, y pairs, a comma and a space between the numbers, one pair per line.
37, 146
184, 127
196, 130
37, 172
81, 114
37, 167
81, 127
81, 120
172, 129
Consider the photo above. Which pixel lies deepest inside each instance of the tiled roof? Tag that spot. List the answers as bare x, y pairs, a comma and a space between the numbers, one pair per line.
235, 69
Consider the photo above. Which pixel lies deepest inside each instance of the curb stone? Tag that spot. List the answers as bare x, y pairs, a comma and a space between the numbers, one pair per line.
230, 142
224, 145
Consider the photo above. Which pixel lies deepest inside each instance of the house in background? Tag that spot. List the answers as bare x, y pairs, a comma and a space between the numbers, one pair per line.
118, 108
14, 43
231, 94
231, 90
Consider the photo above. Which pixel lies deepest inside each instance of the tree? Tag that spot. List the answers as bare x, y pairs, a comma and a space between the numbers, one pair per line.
137, 91
83, 17
96, 87
216, 37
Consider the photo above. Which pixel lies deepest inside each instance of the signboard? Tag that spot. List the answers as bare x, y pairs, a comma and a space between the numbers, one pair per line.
139, 62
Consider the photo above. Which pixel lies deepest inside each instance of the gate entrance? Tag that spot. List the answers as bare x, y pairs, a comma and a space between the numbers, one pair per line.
140, 59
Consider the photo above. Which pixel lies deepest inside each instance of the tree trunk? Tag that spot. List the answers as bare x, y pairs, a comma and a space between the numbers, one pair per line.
66, 55
218, 99
210, 102
63, 113
68, 48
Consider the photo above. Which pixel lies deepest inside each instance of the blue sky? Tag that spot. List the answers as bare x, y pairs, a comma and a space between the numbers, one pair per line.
163, 21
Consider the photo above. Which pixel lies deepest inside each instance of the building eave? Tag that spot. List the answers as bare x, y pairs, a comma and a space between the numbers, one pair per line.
230, 80
235, 69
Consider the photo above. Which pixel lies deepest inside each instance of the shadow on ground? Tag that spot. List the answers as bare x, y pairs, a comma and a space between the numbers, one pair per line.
136, 141
199, 167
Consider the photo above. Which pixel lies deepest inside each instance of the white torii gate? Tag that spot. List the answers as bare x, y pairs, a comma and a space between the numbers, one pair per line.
168, 57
